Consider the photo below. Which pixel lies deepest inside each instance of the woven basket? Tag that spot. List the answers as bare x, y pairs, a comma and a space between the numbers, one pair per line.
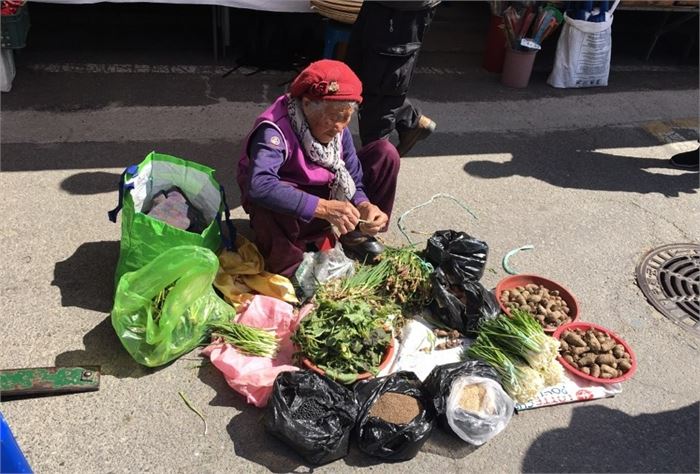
344, 11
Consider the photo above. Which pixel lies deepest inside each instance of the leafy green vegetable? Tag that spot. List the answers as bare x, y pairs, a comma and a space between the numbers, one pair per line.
345, 337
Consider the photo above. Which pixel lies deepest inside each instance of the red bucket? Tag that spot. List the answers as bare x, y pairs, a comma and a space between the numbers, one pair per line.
495, 49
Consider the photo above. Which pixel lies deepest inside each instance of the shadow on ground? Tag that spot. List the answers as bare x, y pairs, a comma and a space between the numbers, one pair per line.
91, 182
601, 439
86, 278
574, 159
217, 154
103, 348
260, 447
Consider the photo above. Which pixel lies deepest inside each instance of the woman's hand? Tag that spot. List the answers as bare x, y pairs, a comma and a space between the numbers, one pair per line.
341, 214
375, 219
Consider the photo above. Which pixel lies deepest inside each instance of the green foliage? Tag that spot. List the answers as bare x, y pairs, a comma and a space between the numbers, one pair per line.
345, 337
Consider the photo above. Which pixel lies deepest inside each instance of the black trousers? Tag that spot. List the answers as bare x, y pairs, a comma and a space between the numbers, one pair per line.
383, 50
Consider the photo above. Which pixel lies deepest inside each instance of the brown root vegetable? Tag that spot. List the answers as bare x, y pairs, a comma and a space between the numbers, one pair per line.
608, 359
606, 375
563, 345
575, 340
441, 332
595, 370
586, 370
606, 369
608, 345
618, 351
624, 364
569, 359
579, 350
588, 359
594, 343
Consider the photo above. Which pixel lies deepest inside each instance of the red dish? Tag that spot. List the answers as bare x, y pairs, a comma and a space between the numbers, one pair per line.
521, 280
583, 325
388, 356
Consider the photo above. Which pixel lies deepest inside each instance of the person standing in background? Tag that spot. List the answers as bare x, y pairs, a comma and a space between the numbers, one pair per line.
383, 50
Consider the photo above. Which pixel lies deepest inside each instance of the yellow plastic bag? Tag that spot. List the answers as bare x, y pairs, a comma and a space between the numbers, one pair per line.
242, 274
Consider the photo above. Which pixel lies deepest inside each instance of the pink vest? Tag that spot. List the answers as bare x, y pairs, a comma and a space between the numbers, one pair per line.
296, 168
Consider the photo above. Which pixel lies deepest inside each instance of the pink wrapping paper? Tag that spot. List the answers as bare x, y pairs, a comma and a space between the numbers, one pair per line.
253, 376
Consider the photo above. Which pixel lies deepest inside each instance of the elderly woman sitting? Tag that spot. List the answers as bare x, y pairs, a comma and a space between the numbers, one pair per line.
302, 180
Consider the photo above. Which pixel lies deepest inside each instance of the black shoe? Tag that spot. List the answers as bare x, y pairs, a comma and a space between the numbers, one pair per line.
409, 138
361, 247
687, 161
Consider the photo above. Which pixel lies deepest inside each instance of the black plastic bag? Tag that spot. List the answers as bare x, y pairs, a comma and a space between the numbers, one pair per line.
458, 253
461, 304
385, 440
439, 383
304, 394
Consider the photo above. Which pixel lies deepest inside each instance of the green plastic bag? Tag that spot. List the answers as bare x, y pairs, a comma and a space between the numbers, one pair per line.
143, 238
155, 339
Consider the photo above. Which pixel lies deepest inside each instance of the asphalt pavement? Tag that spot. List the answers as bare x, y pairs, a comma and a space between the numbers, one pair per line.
582, 175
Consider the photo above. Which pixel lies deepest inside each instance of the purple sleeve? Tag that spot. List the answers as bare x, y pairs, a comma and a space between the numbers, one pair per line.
267, 154
352, 163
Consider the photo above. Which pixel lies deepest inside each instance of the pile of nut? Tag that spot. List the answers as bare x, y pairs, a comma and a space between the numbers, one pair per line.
547, 306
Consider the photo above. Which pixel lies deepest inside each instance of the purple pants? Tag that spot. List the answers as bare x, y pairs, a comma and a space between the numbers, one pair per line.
282, 239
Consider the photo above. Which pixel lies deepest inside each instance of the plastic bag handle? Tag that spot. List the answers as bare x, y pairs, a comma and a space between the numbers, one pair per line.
612, 10
229, 242
132, 170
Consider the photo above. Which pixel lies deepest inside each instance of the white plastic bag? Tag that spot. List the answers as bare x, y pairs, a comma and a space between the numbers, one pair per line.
583, 53
480, 425
319, 267
7, 69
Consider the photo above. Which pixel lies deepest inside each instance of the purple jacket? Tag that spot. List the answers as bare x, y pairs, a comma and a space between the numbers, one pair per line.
274, 173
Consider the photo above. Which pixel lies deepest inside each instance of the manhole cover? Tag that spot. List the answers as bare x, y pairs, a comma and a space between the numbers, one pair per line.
670, 279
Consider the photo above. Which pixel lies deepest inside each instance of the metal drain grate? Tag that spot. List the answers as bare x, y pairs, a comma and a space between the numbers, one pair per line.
669, 277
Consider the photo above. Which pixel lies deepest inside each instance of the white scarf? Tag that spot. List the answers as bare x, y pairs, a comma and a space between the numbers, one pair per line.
327, 156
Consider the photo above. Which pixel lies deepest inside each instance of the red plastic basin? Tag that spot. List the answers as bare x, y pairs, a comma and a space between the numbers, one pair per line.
585, 326
514, 281
388, 355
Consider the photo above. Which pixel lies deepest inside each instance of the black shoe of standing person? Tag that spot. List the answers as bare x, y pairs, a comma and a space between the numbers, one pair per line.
361, 247
688, 160
410, 137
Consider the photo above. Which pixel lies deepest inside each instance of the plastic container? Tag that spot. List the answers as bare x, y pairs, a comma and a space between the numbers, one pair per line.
388, 356
583, 325
15, 29
495, 49
517, 68
11, 457
522, 280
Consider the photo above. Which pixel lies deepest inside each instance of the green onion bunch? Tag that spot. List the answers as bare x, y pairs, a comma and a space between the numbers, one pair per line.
521, 381
520, 351
246, 339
